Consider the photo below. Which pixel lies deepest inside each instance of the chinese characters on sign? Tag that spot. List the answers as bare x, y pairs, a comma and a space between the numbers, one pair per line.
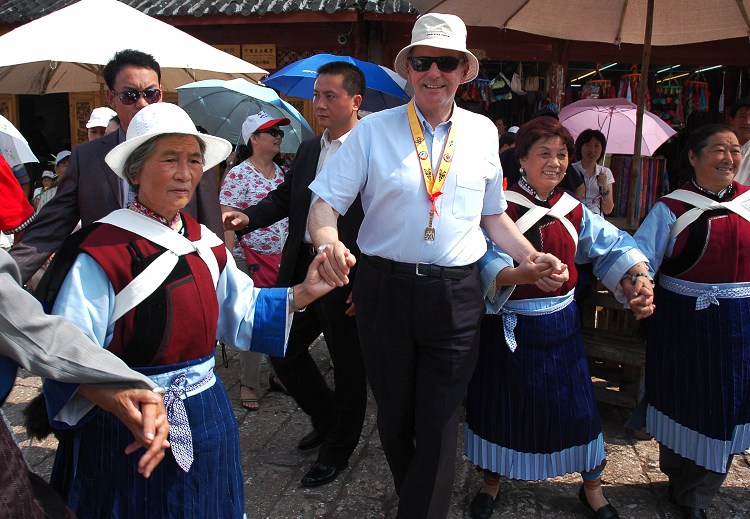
262, 55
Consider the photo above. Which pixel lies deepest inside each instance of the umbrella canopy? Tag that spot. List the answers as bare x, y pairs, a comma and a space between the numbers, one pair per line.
298, 79
13, 145
222, 106
676, 22
615, 118
66, 50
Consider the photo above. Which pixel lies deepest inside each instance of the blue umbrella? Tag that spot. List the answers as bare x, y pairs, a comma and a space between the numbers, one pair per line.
222, 106
298, 78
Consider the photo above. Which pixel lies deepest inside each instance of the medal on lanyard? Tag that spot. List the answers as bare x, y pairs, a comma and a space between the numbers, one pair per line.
431, 183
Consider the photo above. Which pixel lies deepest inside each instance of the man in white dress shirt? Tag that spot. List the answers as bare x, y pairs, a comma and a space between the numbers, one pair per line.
417, 292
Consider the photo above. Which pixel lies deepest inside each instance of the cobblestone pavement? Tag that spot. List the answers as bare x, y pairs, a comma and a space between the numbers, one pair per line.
273, 467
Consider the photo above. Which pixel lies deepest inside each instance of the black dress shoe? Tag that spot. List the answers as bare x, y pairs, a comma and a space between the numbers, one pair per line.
275, 386
319, 474
482, 506
606, 512
311, 440
691, 512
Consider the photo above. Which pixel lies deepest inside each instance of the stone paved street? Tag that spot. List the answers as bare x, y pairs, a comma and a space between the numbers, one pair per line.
273, 467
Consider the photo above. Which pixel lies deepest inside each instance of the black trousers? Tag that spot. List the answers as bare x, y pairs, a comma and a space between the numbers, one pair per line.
420, 341
340, 413
692, 485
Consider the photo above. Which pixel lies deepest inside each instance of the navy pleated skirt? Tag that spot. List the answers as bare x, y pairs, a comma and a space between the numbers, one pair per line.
698, 378
99, 481
531, 414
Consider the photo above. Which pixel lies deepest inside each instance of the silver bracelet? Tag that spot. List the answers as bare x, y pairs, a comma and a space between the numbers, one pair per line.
292, 303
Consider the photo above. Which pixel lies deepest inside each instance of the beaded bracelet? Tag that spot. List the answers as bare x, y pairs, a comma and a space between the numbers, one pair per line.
637, 275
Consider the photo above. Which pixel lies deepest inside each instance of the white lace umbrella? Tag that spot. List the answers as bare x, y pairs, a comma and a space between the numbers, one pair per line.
13, 146
66, 50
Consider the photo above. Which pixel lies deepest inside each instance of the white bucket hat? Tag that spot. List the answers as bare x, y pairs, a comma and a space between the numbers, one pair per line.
100, 117
442, 31
161, 119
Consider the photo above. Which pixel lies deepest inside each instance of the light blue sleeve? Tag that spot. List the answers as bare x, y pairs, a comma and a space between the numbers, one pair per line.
251, 318
87, 299
490, 265
611, 251
345, 175
653, 236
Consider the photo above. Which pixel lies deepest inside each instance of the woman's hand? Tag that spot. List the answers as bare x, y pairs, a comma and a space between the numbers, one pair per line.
555, 276
640, 293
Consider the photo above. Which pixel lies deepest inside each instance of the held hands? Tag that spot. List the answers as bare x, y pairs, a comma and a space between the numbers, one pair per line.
142, 412
335, 270
315, 284
234, 220
554, 275
640, 296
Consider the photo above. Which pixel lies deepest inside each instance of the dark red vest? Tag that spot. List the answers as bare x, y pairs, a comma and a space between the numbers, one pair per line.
548, 235
713, 249
177, 322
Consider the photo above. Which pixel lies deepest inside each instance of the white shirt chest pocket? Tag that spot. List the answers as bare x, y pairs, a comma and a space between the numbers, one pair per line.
469, 197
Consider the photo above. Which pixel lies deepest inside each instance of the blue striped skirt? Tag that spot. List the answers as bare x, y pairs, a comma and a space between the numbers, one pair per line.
698, 378
98, 480
531, 414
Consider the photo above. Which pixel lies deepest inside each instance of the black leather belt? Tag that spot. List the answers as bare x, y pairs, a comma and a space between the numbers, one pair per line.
419, 269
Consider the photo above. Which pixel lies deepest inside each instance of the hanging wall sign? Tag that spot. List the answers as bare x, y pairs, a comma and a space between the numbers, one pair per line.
262, 55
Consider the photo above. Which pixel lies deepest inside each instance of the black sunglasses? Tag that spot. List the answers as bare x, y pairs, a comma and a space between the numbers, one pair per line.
130, 96
273, 132
444, 63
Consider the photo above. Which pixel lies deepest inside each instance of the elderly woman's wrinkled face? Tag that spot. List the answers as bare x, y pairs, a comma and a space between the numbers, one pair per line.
718, 162
545, 164
171, 173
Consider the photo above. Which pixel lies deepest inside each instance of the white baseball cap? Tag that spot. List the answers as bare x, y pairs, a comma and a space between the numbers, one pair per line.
64, 154
260, 121
163, 119
100, 117
48, 174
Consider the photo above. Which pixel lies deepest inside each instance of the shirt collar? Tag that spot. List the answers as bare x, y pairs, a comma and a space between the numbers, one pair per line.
175, 224
727, 191
325, 141
428, 127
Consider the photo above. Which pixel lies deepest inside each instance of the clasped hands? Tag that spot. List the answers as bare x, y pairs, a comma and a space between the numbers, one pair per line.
544, 270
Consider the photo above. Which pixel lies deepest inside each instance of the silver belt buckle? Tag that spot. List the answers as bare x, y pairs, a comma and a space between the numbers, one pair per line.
417, 269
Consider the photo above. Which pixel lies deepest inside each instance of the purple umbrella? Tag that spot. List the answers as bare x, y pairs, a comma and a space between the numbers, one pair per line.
615, 118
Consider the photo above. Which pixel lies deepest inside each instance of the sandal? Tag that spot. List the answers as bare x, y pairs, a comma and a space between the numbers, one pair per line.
250, 403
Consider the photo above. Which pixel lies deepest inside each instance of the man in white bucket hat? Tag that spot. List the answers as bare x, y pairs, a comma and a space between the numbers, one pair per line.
417, 294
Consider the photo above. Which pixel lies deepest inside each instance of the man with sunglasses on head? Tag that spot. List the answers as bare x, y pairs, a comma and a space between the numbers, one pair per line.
90, 190
337, 415
430, 180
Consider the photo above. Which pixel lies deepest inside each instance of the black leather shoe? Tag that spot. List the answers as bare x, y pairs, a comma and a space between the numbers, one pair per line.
319, 474
311, 440
606, 512
275, 386
482, 506
690, 512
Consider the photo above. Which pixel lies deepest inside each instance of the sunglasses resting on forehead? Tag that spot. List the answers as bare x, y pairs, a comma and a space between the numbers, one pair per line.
129, 96
273, 132
444, 63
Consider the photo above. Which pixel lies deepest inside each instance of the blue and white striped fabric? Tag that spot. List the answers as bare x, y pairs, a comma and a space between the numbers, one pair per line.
99, 481
698, 376
531, 414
